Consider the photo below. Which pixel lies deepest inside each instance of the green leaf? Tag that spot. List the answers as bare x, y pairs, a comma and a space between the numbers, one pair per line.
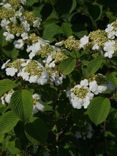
31, 3
99, 109
6, 85
67, 66
67, 29
7, 122
21, 104
50, 30
94, 65
74, 4
36, 131
95, 10
11, 53
63, 7
11, 147
113, 78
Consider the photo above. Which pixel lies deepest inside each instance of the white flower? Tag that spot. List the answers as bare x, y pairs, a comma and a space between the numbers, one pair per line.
24, 75
26, 26
8, 96
4, 65
8, 36
111, 31
37, 23
84, 82
95, 47
13, 20
84, 41
49, 62
4, 23
18, 13
36, 96
109, 48
24, 36
19, 44
7, 6
59, 44
43, 78
102, 88
93, 86
33, 79
38, 107
80, 96
35, 47
109, 54
11, 71
32, 54
109, 28
58, 80
3, 100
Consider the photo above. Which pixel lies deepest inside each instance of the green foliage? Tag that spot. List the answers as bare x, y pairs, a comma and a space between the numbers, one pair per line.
99, 109
50, 30
113, 78
61, 130
21, 104
6, 85
67, 66
94, 65
7, 122
36, 131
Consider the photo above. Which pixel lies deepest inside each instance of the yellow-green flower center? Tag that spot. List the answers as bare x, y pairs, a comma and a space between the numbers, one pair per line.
33, 68
80, 92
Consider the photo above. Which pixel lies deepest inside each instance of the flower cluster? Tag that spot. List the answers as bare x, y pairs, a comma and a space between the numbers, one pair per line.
32, 71
103, 41
19, 27
6, 98
18, 23
81, 94
37, 102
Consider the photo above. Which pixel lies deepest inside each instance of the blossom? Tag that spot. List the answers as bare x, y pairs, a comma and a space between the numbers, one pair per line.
11, 71
37, 103
35, 47
26, 26
19, 44
8, 36
80, 96
4, 23
95, 88
43, 78
109, 48
84, 82
33, 78
38, 107
24, 36
84, 41
110, 31
4, 65
6, 98
24, 75
37, 23
95, 47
